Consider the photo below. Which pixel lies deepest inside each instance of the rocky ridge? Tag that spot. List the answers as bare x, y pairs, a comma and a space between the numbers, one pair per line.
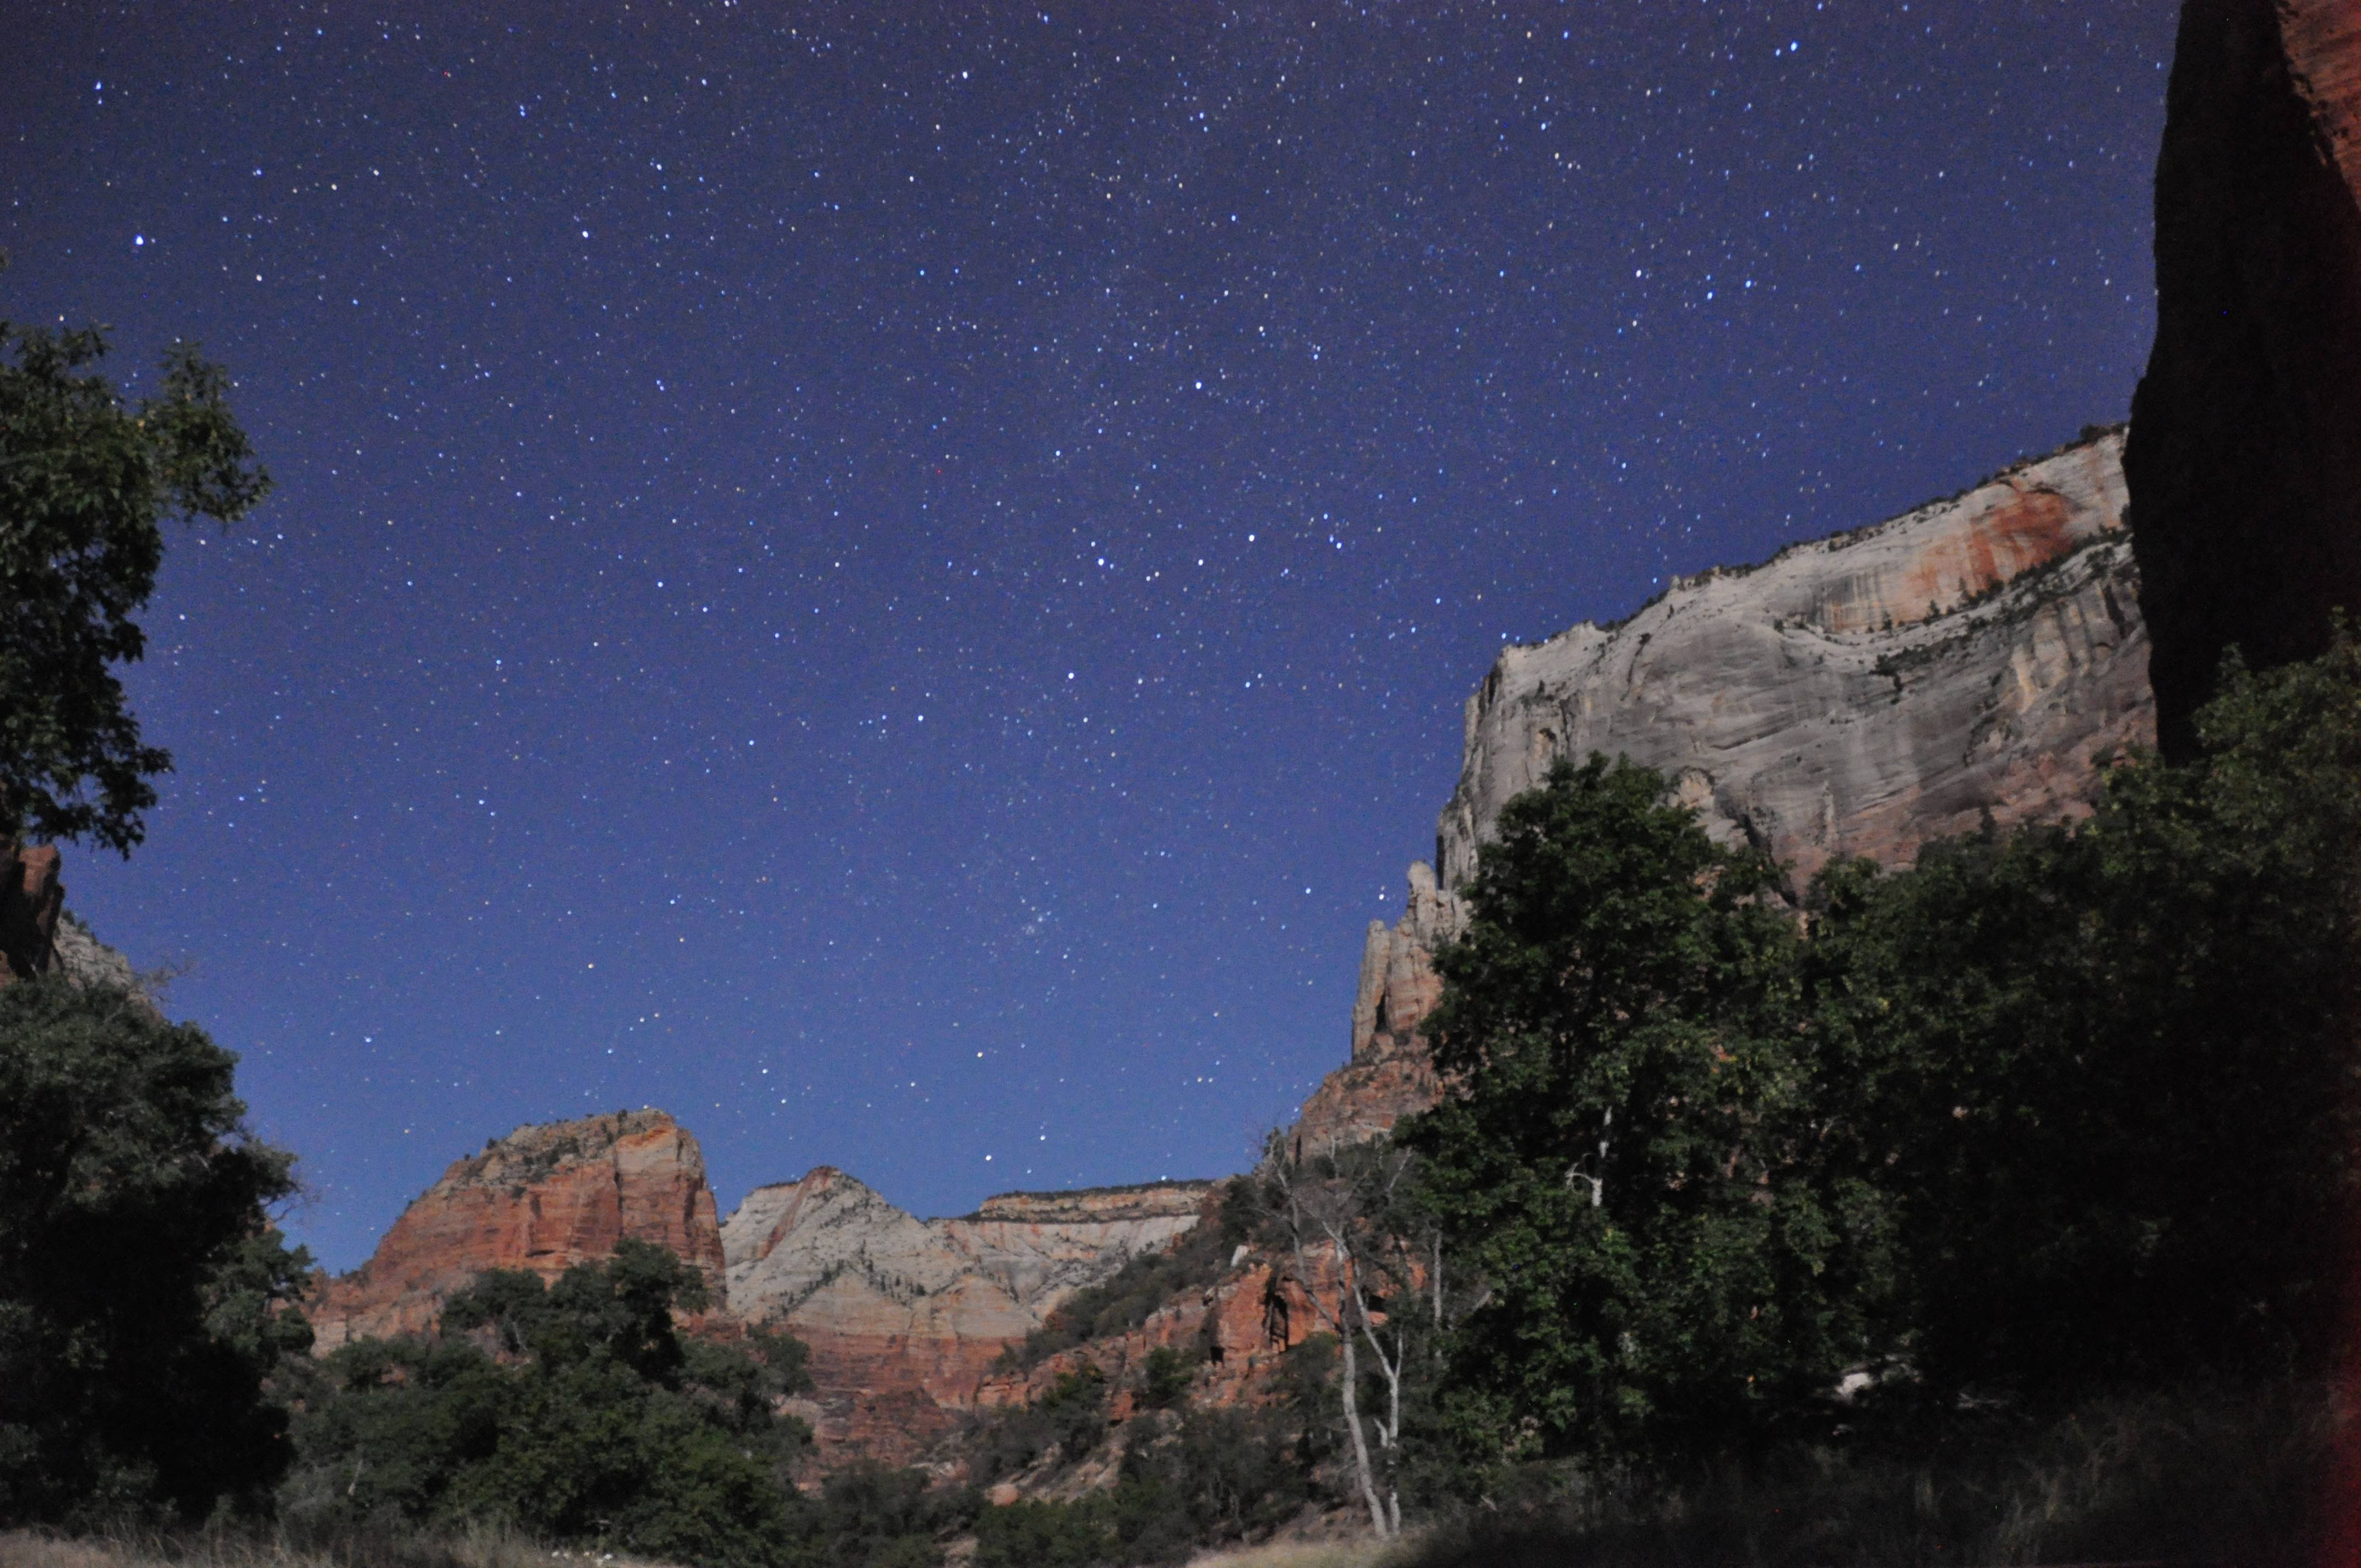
906, 1316
543, 1198
1976, 658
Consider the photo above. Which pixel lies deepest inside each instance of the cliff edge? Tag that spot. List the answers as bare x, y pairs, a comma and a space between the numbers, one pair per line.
1974, 659
543, 1198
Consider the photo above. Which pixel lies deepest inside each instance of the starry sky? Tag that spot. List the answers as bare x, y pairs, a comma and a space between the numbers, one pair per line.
898, 580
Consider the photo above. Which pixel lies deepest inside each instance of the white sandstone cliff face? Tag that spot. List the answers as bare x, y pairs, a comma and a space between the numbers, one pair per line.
1855, 695
1859, 694
905, 1316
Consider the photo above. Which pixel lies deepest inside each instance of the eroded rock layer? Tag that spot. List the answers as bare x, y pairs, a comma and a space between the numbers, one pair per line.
905, 1316
1977, 658
543, 1198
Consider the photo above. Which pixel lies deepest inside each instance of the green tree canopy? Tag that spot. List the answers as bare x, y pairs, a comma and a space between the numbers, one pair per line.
593, 1418
2055, 1114
86, 482
141, 1281
1618, 1157
2105, 1071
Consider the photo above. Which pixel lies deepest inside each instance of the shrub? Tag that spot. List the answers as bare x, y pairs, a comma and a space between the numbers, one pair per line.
613, 1432
143, 1288
1164, 1379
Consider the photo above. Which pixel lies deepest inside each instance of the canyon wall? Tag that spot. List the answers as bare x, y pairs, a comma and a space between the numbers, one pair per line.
906, 1316
1977, 658
543, 1198
2245, 449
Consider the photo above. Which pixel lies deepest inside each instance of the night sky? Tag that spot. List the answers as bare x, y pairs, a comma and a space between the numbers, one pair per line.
897, 580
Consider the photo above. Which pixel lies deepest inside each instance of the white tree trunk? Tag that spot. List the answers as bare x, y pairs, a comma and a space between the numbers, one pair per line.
1352, 1376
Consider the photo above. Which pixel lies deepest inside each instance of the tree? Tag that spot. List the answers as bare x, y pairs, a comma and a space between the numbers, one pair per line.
1361, 1250
144, 1293
1621, 1158
85, 483
2106, 1072
605, 1424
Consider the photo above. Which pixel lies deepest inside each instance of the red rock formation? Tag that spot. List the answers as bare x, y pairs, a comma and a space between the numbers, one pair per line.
2245, 453
1390, 1075
31, 898
542, 1198
1238, 1327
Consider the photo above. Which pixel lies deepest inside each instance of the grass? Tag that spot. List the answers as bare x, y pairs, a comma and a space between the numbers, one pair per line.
138, 1548
2215, 1479
1363, 1551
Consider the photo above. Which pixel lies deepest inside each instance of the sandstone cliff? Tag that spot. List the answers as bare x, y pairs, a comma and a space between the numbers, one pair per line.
1388, 1075
543, 1198
2246, 452
1974, 658
905, 1316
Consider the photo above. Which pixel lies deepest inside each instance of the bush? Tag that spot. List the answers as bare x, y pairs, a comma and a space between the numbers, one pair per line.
1045, 1535
1164, 1379
871, 1516
1211, 1477
143, 1288
613, 1432
2220, 1475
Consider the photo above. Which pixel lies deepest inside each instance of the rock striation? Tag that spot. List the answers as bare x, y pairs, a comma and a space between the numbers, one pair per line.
543, 1198
1389, 1074
2245, 451
1975, 659
906, 1316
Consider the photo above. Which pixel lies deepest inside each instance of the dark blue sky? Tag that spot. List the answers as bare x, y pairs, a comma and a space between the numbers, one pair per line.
901, 588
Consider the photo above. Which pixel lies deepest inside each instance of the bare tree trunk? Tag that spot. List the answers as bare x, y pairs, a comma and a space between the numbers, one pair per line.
1352, 1378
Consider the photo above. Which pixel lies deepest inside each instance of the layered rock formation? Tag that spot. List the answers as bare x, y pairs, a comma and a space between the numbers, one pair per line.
543, 1198
1975, 659
1389, 1074
1858, 695
1234, 1330
906, 1316
2246, 454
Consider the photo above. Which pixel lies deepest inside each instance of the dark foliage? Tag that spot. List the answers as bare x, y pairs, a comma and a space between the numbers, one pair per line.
869, 1516
1068, 1419
2104, 1073
612, 1431
1205, 1479
2206, 1477
1165, 1377
1625, 1164
142, 1285
2056, 1115
85, 483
